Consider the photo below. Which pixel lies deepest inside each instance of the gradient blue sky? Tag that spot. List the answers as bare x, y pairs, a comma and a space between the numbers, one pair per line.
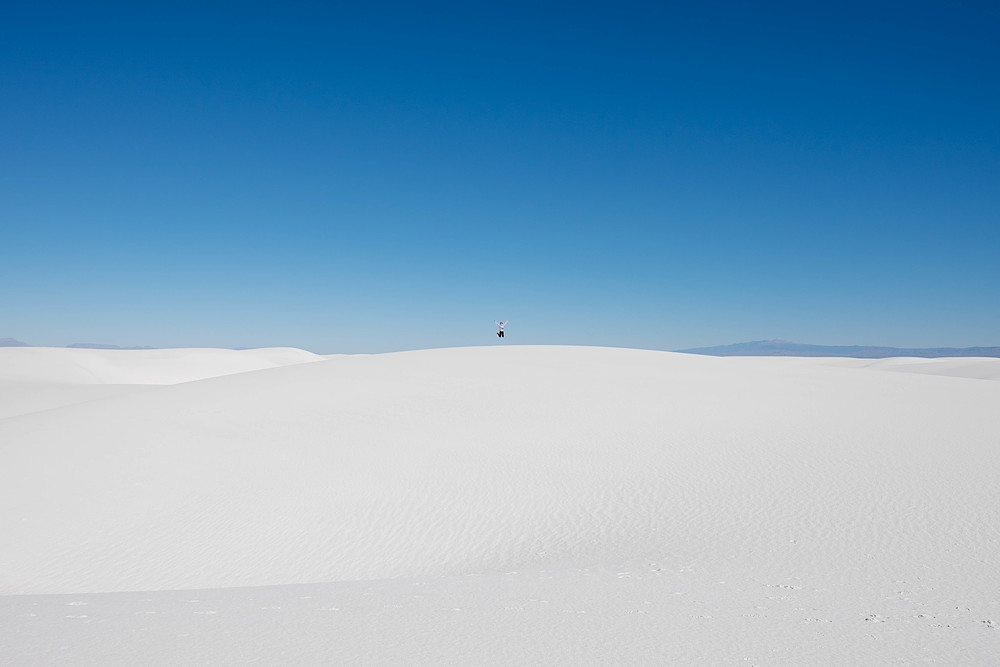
370, 177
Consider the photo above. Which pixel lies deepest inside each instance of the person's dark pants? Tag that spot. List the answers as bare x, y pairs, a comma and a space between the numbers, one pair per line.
500, 333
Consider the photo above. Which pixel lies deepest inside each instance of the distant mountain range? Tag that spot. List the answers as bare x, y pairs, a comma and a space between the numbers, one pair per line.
784, 348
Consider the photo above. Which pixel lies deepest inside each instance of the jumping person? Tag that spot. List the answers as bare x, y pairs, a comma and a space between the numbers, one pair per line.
501, 325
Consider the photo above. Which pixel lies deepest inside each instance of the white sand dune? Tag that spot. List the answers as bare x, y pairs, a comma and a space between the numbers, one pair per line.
982, 368
57, 365
503, 505
38, 378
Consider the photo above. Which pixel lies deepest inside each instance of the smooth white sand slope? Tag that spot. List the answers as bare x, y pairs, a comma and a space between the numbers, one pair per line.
56, 365
982, 368
511, 505
37, 378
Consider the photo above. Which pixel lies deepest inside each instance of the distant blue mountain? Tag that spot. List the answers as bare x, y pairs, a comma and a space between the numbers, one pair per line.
784, 348
12, 342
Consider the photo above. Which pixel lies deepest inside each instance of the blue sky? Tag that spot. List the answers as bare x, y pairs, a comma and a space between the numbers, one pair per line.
371, 177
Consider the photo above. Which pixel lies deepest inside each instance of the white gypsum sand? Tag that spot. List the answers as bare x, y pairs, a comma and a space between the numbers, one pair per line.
514, 505
38, 378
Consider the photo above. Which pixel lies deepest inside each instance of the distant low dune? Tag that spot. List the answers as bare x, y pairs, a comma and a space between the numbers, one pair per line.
38, 378
101, 366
